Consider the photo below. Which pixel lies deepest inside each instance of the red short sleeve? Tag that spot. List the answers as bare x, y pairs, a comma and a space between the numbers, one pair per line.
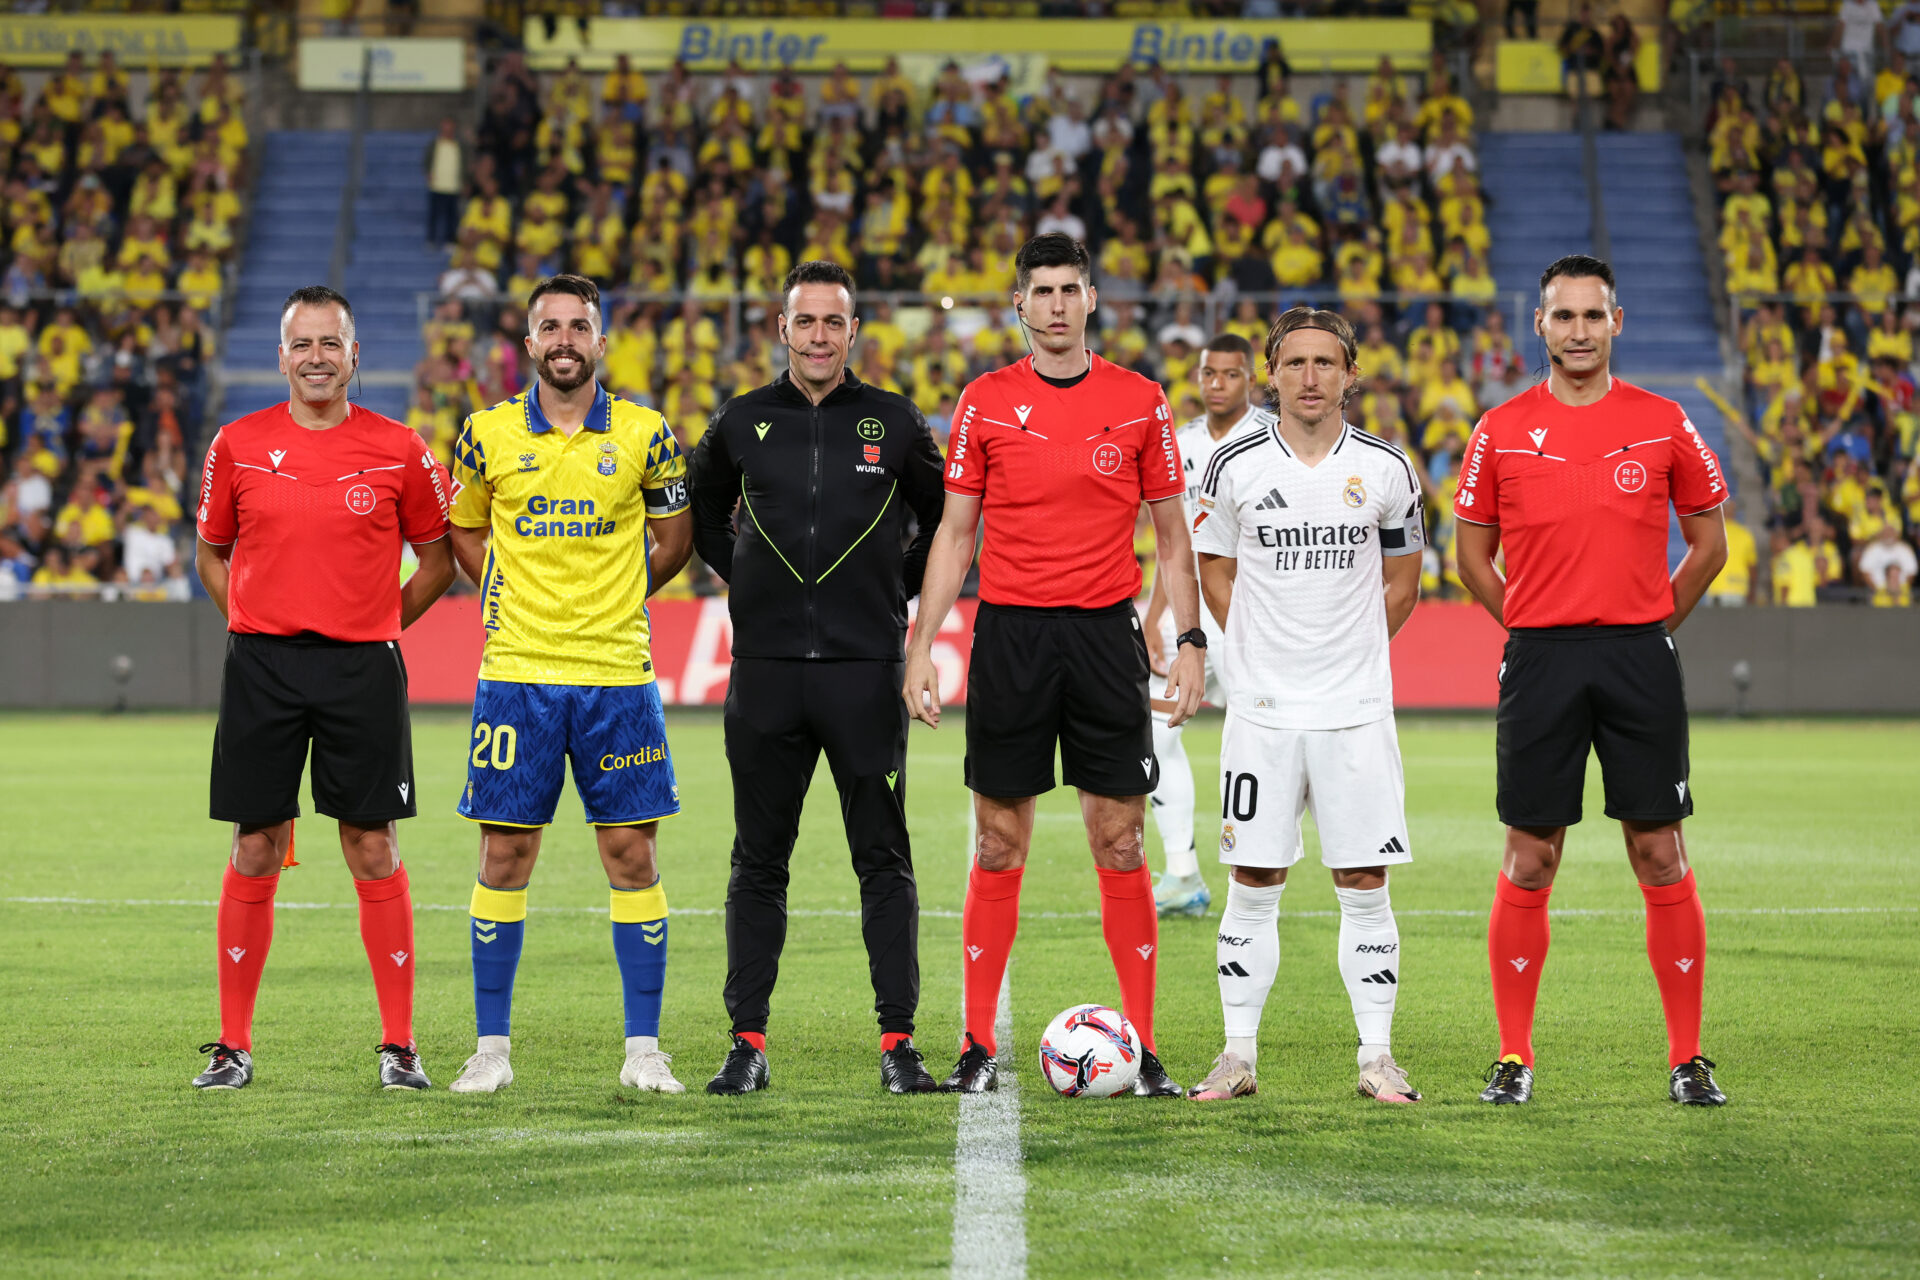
966, 465
1161, 474
1697, 483
1477, 500
423, 497
217, 519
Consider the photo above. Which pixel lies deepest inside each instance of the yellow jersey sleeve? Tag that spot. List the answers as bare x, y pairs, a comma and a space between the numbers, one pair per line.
664, 481
472, 493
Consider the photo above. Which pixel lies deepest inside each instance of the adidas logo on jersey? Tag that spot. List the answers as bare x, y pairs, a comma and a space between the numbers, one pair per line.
1393, 846
1384, 978
1272, 502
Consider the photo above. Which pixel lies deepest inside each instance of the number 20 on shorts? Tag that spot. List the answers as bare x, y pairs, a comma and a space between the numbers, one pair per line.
501, 738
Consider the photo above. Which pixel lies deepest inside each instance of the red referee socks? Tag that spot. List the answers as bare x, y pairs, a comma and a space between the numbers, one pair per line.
1677, 949
386, 929
1517, 938
988, 922
244, 930
1132, 929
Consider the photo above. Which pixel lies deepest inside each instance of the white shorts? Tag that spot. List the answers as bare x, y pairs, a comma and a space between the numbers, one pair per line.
1350, 778
1216, 694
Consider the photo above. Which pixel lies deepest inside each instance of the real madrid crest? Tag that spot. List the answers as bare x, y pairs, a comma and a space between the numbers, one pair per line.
1355, 494
1226, 838
608, 463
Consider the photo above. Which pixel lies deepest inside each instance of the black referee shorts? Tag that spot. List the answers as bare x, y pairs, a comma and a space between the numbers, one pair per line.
1616, 690
348, 700
1076, 677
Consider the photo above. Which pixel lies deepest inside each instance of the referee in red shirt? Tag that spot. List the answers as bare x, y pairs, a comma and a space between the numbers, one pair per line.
303, 508
1573, 479
1058, 451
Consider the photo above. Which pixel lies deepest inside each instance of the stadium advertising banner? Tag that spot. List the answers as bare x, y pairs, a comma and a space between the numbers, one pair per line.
410, 65
1185, 45
136, 40
1446, 657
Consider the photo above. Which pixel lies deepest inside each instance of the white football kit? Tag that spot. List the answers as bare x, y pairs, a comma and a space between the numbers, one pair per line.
1310, 688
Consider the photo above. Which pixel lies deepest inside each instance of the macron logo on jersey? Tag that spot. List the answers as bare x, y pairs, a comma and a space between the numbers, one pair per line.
1539, 438
276, 455
1021, 411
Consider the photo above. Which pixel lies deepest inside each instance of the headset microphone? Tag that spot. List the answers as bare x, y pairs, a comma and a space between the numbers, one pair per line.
1020, 311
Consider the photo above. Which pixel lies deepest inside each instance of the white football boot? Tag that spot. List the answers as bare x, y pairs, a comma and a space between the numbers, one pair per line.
486, 1071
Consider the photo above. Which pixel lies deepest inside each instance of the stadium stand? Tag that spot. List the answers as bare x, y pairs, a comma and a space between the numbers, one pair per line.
1819, 225
1210, 203
120, 201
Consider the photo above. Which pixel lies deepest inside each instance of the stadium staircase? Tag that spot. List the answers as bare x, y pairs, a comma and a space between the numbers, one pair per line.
1672, 336
295, 215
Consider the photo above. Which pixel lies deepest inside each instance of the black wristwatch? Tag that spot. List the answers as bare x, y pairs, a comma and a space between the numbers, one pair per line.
1196, 637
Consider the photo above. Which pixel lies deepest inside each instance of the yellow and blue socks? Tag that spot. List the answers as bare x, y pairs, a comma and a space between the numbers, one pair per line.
499, 927
640, 948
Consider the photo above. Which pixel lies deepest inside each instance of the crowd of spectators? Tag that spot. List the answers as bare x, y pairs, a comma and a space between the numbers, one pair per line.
117, 220
1819, 219
1207, 206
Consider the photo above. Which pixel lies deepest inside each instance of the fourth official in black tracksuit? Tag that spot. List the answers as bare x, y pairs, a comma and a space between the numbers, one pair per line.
820, 572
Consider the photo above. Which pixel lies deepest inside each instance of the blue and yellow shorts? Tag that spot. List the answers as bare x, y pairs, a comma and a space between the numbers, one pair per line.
523, 734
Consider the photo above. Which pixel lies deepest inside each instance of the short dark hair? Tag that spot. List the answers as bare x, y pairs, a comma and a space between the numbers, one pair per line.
1230, 344
1580, 264
1313, 318
315, 295
1054, 249
815, 271
574, 286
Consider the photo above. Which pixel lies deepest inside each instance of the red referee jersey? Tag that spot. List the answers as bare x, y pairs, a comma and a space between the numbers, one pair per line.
1061, 472
316, 518
1580, 496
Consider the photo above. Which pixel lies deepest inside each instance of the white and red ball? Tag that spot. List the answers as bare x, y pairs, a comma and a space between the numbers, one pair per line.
1090, 1051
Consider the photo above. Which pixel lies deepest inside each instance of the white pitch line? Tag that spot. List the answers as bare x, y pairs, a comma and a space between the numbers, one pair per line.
989, 1176
830, 913
989, 1179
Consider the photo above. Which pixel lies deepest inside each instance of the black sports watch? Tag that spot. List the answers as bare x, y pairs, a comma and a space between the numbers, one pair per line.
1196, 637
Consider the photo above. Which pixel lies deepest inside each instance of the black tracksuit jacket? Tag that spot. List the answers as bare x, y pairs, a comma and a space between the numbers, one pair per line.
821, 566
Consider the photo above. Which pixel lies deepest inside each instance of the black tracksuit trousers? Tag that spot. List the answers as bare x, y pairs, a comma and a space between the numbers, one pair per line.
781, 714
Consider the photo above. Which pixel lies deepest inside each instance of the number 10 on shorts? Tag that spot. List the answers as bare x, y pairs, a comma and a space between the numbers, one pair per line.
1239, 796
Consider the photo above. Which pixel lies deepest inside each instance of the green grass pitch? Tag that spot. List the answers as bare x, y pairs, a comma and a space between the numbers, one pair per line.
114, 1167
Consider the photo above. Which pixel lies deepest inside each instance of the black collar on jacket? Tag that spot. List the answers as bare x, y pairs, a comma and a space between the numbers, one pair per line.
849, 388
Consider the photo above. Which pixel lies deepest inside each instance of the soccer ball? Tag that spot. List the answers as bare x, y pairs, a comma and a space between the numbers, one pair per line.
1090, 1051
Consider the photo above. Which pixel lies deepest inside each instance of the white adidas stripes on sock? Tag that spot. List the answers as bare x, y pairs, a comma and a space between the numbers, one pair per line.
1247, 952
1370, 965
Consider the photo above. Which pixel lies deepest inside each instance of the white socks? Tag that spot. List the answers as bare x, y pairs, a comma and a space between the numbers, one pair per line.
1369, 965
1172, 800
637, 1045
1248, 954
495, 1044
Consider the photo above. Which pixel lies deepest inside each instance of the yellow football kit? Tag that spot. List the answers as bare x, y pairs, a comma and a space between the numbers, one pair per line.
565, 588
